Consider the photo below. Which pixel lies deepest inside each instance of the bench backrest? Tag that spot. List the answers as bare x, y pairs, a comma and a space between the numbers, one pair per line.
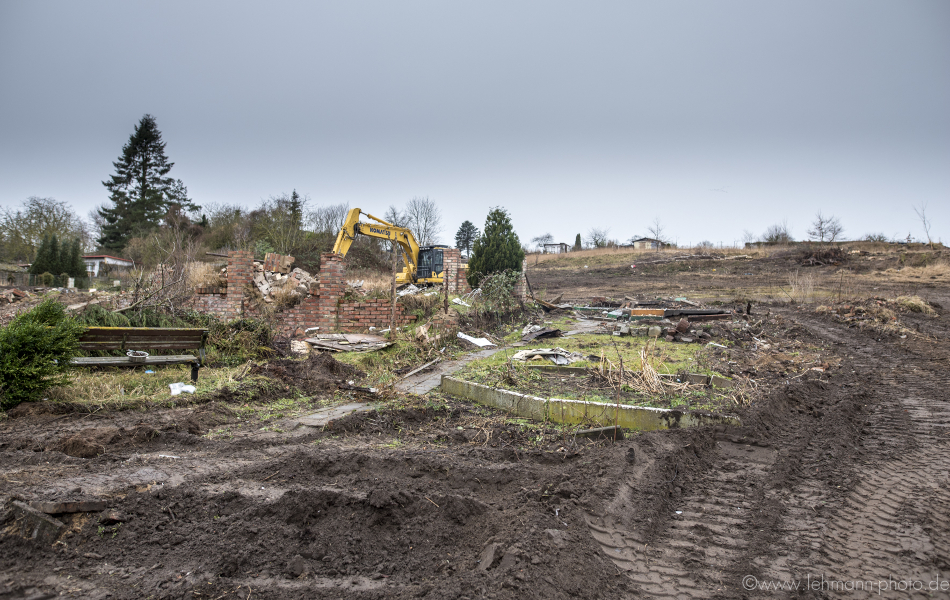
142, 338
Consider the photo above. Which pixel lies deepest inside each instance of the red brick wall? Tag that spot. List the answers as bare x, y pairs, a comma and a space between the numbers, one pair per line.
240, 271
455, 275
323, 307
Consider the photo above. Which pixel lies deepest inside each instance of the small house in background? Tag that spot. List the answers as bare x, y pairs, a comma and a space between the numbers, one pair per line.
556, 248
101, 263
648, 244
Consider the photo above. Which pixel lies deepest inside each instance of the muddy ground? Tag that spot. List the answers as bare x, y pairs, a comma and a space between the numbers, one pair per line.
839, 476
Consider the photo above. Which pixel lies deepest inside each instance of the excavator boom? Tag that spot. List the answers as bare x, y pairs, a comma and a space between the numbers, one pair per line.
382, 230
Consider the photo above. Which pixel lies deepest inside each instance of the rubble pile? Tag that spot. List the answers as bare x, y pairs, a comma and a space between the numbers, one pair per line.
13, 295
282, 280
295, 283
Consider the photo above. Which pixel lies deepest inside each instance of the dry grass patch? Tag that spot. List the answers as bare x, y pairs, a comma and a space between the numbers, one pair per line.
915, 304
205, 274
123, 388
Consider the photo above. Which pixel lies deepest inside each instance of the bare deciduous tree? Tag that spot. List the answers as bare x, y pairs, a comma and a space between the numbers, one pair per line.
395, 216
924, 221
424, 218
656, 231
542, 239
328, 219
825, 228
229, 227
597, 237
277, 223
778, 234
22, 230
748, 237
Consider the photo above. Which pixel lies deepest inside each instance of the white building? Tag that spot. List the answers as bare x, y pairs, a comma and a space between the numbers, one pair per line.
97, 262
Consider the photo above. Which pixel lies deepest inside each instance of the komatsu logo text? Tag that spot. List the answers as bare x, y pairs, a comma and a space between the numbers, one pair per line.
379, 231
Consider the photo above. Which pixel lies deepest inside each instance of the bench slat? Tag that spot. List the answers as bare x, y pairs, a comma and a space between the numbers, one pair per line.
123, 361
139, 346
145, 330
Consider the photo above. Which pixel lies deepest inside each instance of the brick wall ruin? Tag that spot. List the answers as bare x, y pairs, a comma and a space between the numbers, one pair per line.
455, 276
325, 306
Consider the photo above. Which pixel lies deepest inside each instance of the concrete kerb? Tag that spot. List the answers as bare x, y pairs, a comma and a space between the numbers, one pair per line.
640, 418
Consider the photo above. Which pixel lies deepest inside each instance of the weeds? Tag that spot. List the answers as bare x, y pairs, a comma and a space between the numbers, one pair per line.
802, 287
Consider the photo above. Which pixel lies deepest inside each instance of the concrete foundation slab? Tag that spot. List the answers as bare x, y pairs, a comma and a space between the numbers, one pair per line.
640, 418
324, 416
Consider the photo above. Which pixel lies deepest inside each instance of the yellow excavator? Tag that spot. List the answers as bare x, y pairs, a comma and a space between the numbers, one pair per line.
423, 263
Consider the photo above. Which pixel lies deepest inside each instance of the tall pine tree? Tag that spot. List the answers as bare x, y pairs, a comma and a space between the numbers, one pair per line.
497, 249
76, 266
465, 237
41, 263
296, 210
141, 191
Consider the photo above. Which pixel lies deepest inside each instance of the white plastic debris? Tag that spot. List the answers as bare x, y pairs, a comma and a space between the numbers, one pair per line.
480, 342
460, 302
410, 289
178, 388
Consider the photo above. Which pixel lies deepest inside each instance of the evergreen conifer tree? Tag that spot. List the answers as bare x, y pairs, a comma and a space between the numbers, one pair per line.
497, 249
141, 191
465, 237
577, 242
54, 256
41, 262
77, 267
296, 210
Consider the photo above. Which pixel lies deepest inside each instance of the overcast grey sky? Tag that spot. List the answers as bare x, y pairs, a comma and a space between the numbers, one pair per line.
716, 116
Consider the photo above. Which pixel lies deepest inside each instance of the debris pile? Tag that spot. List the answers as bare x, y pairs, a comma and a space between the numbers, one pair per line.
558, 356
13, 295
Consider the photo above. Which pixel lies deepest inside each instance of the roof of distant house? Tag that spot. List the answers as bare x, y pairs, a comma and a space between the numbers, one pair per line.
93, 256
648, 240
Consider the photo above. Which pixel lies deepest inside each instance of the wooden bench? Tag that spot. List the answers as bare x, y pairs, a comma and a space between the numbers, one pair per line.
143, 338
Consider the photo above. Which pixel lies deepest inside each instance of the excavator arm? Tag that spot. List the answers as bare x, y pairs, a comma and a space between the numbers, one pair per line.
381, 229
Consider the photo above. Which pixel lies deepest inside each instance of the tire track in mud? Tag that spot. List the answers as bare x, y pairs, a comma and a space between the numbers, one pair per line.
893, 525
706, 534
868, 502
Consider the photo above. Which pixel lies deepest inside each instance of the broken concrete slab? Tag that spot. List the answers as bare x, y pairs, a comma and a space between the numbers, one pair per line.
639, 418
324, 416
33, 524
608, 433
722, 382
58, 508
347, 342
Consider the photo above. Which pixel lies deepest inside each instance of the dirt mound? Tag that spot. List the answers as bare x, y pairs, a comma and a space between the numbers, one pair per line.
92, 442
335, 524
317, 373
822, 256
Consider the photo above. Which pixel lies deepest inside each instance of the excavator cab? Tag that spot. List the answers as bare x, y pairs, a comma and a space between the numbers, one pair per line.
430, 262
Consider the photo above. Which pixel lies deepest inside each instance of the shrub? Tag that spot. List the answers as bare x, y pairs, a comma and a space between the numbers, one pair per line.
47, 279
35, 349
498, 291
497, 249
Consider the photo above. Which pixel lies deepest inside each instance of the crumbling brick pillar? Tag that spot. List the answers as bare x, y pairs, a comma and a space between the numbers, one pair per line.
332, 286
455, 275
240, 271
521, 287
